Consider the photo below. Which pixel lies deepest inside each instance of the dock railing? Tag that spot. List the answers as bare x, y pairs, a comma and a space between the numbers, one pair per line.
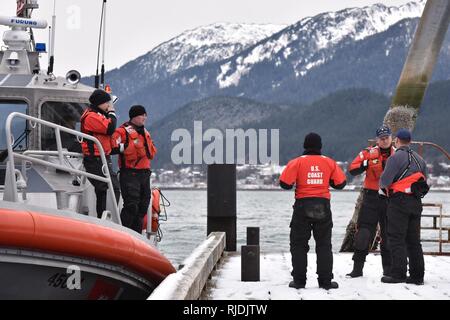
439, 226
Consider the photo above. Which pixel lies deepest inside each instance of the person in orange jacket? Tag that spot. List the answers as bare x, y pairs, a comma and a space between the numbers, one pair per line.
99, 120
136, 152
372, 161
312, 174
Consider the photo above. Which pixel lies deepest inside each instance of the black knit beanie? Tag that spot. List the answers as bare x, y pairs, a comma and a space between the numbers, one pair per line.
313, 142
136, 111
99, 97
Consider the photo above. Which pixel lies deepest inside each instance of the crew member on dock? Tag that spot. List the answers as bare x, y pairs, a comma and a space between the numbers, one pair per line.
404, 178
313, 174
100, 121
137, 151
374, 205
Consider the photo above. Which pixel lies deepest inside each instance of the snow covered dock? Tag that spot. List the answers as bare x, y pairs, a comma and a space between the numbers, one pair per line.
275, 276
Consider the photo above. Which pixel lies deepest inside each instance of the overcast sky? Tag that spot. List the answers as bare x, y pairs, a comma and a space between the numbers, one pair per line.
137, 26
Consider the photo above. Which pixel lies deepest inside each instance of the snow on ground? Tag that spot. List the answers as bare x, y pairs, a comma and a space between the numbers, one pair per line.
275, 277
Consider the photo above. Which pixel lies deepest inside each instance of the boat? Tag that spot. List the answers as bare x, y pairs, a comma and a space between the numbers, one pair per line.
52, 245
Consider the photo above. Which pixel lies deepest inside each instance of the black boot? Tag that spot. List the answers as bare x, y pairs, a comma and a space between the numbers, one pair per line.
386, 271
296, 285
327, 285
416, 281
357, 270
388, 279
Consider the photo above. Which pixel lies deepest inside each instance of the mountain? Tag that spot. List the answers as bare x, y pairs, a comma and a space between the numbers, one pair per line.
312, 42
340, 118
215, 113
192, 48
357, 47
432, 122
345, 119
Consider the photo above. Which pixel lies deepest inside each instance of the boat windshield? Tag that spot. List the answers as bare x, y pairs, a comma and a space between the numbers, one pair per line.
18, 126
66, 114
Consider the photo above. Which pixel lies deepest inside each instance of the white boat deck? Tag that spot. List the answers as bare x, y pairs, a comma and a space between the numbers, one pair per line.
275, 276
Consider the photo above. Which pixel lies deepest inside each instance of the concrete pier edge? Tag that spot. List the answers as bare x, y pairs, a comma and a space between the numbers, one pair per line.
189, 282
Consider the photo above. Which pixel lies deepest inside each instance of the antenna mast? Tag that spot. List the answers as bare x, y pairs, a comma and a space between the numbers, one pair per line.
101, 33
104, 48
51, 60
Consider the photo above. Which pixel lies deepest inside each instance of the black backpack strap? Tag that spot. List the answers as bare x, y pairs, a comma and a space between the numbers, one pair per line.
147, 147
411, 157
416, 161
403, 174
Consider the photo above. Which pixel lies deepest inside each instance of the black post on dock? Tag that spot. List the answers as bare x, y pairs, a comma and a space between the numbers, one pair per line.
250, 268
250, 256
252, 236
222, 202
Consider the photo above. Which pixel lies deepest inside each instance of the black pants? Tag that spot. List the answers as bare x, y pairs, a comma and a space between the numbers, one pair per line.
404, 214
373, 212
94, 165
136, 193
312, 214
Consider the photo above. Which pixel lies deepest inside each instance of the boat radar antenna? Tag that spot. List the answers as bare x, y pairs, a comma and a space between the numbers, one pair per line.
100, 80
19, 39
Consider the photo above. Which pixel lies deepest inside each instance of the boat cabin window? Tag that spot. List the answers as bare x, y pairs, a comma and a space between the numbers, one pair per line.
66, 114
19, 126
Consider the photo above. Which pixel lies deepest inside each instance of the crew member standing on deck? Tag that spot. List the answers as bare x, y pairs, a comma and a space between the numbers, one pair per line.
100, 121
312, 174
137, 151
405, 179
373, 209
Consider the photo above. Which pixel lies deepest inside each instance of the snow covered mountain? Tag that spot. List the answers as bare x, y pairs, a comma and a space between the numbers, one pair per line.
192, 48
207, 44
309, 43
296, 65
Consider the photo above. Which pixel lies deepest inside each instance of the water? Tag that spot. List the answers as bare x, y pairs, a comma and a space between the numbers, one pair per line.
271, 211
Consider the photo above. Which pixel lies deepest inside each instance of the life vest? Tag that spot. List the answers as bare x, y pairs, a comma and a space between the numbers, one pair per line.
156, 211
96, 130
138, 150
312, 174
404, 185
375, 159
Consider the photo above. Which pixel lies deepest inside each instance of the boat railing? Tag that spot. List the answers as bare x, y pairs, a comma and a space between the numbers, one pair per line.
39, 153
64, 198
11, 193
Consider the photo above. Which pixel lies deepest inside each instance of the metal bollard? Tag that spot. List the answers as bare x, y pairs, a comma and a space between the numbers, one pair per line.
252, 236
221, 202
250, 268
